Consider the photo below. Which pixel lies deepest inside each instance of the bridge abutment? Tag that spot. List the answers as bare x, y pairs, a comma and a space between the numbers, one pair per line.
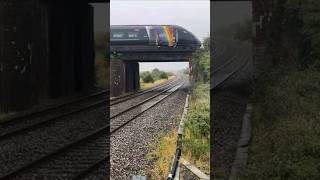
124, 77
46, 51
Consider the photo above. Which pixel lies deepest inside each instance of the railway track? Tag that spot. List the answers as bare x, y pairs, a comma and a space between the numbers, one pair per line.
232, 64
79, 147
124, 98
38, 119
42, 118
117, 122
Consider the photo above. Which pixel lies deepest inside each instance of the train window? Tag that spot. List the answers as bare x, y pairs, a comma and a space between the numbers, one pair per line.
153, 37
118, 35
133, 34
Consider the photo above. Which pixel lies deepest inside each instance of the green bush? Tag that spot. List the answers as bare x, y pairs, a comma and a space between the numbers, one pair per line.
148, 78
198, 121
154, 75
163, 75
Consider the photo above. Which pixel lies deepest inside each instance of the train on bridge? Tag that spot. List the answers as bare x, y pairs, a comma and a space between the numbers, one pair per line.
132, 44
146, 38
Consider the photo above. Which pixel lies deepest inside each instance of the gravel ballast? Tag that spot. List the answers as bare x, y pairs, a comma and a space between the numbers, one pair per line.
227, 111
23, 148
128, 145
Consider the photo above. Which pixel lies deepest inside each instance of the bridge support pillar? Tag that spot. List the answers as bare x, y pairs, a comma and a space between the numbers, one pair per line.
124, 77
132, 76
46, 51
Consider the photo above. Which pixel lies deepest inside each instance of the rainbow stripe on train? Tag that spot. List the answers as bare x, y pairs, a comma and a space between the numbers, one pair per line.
166, 35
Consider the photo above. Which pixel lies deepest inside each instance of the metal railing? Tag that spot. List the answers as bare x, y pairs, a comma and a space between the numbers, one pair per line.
174, 169
176, 158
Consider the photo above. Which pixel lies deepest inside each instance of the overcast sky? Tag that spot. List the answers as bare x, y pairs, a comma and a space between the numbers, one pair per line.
194, 15
225, 13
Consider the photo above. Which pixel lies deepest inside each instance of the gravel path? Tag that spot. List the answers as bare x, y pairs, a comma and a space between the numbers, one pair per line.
227, 112
128, 145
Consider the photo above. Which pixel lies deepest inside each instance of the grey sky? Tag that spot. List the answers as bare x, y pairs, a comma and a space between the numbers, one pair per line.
192, 15
225, 13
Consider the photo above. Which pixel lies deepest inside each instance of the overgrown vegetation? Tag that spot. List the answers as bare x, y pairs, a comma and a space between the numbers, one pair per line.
196, 139
286, 126
161, 155
155, 74
295, 31
101, 65
201, 63
286, 120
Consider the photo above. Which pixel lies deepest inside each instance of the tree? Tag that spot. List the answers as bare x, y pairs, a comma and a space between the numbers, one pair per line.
206, 43
148, 78
163, 75
156, 71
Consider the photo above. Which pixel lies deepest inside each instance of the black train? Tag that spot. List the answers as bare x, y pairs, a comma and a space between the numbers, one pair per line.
152, 38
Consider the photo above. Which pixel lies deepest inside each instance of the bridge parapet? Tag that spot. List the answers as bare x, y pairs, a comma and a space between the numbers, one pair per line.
154, 57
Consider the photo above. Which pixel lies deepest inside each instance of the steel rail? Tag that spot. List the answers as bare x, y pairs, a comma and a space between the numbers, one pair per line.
96, 132
45, 157
49, 120
232, 73
32, 126
46, 110
143, 92
140, 91
244, 61
39, 113
174, 89
91, 168
142, 102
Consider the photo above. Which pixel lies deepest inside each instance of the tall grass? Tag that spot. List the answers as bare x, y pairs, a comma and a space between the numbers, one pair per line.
162, 151
286, 126
196, 139
161, 155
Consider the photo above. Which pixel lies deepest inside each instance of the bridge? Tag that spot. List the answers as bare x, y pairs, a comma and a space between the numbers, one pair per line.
127, 50
46, 51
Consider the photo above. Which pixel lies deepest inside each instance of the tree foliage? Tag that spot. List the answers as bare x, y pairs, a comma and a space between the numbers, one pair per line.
155, 74
298, 22
206, 44
163, 75
201, 65
148, 78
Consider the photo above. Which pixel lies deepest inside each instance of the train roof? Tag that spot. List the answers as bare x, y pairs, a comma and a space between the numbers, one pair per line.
141, 26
